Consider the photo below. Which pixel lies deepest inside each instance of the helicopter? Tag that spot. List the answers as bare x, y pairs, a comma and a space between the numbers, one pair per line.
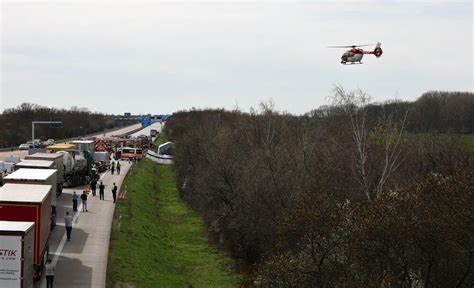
354, 56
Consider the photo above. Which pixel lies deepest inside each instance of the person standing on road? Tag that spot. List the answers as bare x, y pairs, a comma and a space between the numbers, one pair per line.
101, 190
118, 167
75, 197
49, 273
112, 167
84, 201
68, 223
93, 186
114, 192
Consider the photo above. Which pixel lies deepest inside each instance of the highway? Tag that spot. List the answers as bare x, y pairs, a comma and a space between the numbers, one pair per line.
23, 153
146, 130
82, 262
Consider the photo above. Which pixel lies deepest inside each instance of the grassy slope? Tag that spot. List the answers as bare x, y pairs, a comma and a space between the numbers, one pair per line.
156, 241
469, 140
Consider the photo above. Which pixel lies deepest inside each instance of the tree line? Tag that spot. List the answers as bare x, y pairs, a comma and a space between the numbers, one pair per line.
16, 123
432, 112
353, 194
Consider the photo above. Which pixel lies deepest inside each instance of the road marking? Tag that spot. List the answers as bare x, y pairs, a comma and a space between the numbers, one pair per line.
60, 247
59, 250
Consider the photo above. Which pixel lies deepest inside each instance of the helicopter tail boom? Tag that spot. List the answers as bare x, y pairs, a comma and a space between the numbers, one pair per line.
377, 51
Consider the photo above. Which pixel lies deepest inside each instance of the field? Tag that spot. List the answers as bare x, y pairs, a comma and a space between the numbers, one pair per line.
469, 140
157, 241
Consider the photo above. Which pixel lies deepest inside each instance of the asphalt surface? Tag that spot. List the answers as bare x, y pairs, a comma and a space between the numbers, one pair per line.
146, 131
82, 262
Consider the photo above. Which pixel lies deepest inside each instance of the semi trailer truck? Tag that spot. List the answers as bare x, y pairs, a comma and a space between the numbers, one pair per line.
58, 164
17, 241
35, 164
30, 203
37, 176
77, 165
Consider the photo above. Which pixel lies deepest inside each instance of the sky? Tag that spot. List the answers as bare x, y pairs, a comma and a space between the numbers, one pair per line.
161, 57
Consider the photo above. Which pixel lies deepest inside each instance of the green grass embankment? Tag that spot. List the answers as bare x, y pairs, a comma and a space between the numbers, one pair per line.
157, 241
469, 140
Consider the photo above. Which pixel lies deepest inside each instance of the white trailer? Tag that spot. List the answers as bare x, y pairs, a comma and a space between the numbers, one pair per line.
35, 164
34, 176
56, 158
17, 241
81, 145
58, 164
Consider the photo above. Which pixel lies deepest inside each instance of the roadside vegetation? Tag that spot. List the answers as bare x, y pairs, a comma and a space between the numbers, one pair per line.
354, 194
157, 241
469, 140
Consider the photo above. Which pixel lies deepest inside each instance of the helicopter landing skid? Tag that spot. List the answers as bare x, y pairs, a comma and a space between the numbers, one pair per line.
351, 63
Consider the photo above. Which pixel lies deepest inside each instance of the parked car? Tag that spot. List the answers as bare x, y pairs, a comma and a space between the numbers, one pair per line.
37, 143
48, 142
26, 146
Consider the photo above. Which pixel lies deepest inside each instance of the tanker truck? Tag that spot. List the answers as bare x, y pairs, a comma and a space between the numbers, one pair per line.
77, 166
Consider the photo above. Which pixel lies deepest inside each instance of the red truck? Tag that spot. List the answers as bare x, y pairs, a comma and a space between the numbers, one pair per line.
16, 253
30, 203
37, 176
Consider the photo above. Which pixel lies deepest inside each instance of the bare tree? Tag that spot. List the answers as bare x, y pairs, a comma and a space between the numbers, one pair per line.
387, 137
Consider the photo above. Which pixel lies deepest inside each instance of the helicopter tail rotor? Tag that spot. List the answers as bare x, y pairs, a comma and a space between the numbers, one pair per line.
378, 50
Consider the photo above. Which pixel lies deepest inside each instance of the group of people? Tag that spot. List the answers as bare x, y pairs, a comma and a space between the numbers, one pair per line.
113, 166
84, 196
69, 219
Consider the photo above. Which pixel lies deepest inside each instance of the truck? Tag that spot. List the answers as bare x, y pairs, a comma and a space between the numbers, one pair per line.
101, 161
30, 203
17, 240
58, 164
35, 164
37, 176
77, 166
84, 145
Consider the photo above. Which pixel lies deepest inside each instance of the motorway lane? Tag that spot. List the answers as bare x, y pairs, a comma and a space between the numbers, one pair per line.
146, 130
119, 131
82, 262
19, 153
23, 153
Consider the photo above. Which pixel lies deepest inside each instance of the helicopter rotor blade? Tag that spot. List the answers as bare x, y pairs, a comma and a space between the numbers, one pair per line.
339, 46
350, 46
364, 45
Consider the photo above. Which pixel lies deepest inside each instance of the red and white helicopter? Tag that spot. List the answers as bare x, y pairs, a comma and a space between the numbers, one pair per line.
355, 54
